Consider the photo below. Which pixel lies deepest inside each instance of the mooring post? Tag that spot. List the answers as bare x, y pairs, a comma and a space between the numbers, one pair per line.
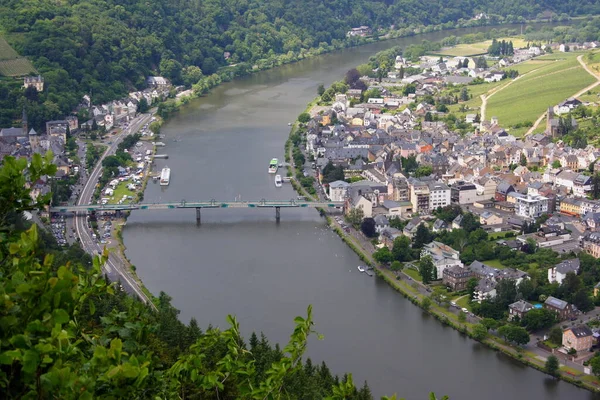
277, 213
198, 216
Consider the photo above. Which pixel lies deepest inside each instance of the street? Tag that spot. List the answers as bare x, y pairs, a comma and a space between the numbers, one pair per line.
114, 267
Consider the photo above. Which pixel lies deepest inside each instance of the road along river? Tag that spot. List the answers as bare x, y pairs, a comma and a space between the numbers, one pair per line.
241, 262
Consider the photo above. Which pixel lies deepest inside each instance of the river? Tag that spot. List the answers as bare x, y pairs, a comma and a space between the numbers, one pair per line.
241, 262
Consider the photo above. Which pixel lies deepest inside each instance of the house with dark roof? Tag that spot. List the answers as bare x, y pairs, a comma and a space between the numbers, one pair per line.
456, 277
579, 338
518, 309
562, 309
502, 191
559, 272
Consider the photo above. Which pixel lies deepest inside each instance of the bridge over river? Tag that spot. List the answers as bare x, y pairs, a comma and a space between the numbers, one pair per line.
199, 205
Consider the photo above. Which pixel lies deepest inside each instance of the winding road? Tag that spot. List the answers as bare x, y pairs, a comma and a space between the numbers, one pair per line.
114, 268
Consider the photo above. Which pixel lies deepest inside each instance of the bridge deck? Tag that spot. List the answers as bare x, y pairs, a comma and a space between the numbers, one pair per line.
201, 204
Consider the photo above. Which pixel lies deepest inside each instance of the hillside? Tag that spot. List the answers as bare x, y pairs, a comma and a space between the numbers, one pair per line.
107, 47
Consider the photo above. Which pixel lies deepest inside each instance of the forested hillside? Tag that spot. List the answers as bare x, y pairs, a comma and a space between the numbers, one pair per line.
107, 47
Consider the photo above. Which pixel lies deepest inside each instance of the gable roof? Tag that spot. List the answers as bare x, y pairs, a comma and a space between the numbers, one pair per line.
521, 306
581, 331
556, 303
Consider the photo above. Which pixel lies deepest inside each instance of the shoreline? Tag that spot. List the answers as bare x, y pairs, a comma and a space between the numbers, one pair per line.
411, 293
216, 79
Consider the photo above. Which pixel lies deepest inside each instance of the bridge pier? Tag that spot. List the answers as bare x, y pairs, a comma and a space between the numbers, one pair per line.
198, 216
277, 214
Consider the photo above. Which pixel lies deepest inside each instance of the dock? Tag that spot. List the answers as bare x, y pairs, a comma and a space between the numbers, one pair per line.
161, 156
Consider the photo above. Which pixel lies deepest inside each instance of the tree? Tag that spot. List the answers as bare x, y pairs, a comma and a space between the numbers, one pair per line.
352, 76
368, 227
422, 237
304, 117
143, 105
424, 170
470, 222
526, 289
426, 303
464, 94
490, 323
556, 164
401, 250
396, 265
552, 365
481, 62
427, 269
462, 317
383, 256
355, 217
514, 334
320, 90
506, 292
537, 319
595, 363
480, 332
555, 335
523, 160
583, 301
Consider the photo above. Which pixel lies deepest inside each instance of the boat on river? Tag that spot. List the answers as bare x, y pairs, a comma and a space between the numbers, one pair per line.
278, 181
273, 165
165, 176
369, 273
361, 269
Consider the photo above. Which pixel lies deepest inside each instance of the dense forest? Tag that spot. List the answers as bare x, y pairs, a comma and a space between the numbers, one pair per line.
107, 47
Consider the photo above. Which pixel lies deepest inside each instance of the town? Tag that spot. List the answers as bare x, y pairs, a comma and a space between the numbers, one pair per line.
501, 229
497, 225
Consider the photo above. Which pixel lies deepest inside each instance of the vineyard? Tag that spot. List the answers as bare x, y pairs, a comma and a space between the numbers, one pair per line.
11, 64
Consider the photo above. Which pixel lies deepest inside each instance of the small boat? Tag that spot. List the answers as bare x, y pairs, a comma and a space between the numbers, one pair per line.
273, 165
369, 273
278, 181
361, 269
289, 124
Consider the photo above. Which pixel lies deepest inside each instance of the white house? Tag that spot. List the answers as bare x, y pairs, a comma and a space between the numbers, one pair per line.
567, 106
337, 190
439, 195
560, 271
443, 256
531, 206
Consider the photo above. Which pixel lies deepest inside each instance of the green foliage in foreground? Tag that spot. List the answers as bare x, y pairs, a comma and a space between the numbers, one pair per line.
66, 333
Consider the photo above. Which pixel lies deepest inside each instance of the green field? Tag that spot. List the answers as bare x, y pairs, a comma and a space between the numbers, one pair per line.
473, 49
528, 97
11, 64
413, 273
494, 264
528, 66
17, 67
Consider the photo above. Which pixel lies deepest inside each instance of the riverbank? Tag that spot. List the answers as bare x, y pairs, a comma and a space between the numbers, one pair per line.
229, 73
419, 295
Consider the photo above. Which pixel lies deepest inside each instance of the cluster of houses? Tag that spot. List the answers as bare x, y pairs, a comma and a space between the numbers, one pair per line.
504, 179
23, 141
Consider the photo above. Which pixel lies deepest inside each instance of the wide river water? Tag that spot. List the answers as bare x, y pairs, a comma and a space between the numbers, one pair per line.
241, 262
